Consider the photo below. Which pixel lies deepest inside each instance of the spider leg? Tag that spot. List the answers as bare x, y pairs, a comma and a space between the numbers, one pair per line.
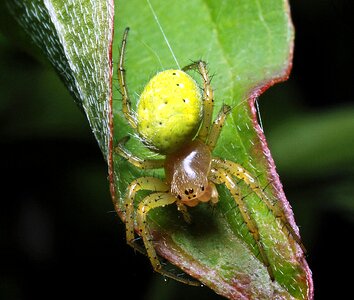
183, 209
208, 98
136, 161
152, 201
239, 172
223, 177
217, 126
178, 277
142, 183
126, 104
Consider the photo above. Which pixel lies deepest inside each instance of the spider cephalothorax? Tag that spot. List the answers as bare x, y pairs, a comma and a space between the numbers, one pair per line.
173, 119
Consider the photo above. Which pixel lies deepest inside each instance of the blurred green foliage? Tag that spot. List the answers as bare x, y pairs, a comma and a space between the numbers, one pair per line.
311, 139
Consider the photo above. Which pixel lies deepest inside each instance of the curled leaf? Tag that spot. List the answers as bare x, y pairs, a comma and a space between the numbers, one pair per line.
248, 47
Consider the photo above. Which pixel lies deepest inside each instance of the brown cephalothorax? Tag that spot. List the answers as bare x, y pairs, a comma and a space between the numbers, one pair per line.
187, 172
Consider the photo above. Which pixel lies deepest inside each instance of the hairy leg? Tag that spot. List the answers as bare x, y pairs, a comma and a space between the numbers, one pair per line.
239, 172
136, 161
152, 201
222, 177
217, 126
208, 98
142, 183
126, 104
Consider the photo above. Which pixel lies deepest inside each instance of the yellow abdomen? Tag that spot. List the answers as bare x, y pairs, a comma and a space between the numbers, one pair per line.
169, 111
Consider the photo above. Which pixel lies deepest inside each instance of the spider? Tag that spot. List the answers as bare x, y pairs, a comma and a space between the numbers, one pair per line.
191, 172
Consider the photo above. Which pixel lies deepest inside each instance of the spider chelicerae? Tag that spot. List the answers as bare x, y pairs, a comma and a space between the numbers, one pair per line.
175, 120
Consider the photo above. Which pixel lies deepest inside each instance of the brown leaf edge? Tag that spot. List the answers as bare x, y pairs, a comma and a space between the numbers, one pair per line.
272, 173
236, 289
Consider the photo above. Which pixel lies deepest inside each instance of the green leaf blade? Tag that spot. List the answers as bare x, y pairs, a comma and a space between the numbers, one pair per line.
258, 55
248, 47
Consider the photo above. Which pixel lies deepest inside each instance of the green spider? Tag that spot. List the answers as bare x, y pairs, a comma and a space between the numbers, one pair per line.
175, 120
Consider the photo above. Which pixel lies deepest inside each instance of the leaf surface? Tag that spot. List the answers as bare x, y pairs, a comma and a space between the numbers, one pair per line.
76, 36
248, 47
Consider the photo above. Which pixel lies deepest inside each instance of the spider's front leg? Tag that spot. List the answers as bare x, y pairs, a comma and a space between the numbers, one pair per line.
241, 173
217, 126
152, 201
142, 183
220, 176
208, 98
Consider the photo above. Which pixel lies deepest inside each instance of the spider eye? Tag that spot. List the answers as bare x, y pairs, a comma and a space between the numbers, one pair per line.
179, 197
202, 188
189, 191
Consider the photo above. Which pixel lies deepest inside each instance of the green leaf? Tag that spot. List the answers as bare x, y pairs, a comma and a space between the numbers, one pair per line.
248, 47
76, 37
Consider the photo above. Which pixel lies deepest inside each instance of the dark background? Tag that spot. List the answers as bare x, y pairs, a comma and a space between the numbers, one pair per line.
59, 237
